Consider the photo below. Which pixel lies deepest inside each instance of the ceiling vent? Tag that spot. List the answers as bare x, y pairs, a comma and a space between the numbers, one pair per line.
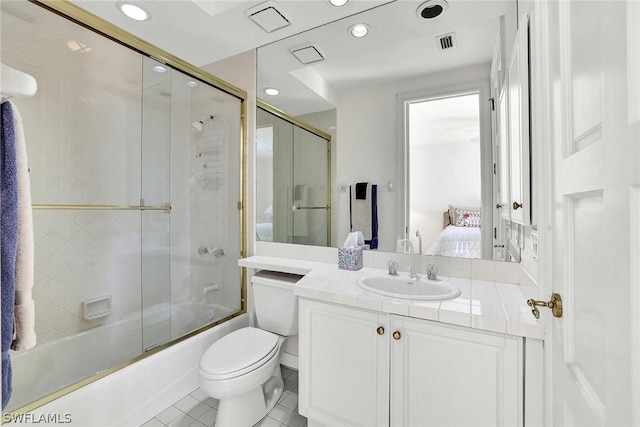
307, 54
447, 41
268, 16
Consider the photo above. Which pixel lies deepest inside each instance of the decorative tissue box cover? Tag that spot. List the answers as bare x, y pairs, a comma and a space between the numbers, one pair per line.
350, 258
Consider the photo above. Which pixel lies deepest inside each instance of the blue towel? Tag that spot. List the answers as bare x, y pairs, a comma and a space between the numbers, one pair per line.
8, 240
373, 244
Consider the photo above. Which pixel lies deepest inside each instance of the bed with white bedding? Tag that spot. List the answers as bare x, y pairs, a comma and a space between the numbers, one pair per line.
461, 235
458, 242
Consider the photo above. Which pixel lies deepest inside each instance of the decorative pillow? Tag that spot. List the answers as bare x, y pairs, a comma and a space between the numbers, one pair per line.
465, 216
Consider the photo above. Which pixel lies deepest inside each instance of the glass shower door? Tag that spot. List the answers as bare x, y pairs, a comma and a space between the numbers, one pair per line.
310, 189
293, 193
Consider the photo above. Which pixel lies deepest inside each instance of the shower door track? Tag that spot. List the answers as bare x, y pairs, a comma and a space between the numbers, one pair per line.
142, 207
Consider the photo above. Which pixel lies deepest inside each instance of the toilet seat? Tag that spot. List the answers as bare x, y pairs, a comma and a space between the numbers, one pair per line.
237, 353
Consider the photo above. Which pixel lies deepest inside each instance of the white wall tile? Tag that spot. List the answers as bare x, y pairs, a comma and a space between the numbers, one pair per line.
483, 270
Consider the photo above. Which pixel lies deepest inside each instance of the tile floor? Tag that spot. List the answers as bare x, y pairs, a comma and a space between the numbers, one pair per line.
198, 410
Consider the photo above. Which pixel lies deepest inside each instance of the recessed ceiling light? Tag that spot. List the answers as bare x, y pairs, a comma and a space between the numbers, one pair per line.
134, 12
431, 9
159, 69
359, 30
338, 3
192, 84
271, 91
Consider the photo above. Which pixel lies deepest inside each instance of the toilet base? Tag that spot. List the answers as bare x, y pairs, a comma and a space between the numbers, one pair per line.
242, 410
247, 409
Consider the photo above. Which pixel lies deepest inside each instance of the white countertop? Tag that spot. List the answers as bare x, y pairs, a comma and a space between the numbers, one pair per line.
484, 305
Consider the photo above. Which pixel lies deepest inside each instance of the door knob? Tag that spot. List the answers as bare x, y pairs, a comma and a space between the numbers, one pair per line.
516, 206
380, 330
396, 335
555, 304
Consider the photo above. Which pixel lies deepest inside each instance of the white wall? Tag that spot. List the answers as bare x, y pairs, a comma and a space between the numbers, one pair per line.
367, 148
442, 174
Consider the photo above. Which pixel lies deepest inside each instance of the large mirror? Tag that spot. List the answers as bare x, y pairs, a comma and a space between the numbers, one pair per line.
413, 117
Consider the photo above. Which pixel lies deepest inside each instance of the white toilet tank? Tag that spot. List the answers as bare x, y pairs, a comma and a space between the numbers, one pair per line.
275, 305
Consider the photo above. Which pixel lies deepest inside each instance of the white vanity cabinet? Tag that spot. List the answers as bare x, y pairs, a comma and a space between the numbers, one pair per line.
365, 368
343, 365
443, 375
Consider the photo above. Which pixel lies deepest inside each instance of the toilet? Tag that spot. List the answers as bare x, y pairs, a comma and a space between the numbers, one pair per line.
242, 369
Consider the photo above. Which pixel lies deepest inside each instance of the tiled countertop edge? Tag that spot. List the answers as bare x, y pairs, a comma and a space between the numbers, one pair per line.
483, 305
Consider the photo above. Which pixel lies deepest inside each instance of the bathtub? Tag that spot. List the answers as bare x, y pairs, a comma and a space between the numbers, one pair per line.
54, 365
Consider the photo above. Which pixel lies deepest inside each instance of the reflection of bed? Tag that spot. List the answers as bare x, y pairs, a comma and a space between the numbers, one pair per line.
457, 241
460, 242
264, 231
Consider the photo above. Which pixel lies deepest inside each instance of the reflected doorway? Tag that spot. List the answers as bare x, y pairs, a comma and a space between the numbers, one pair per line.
447, 161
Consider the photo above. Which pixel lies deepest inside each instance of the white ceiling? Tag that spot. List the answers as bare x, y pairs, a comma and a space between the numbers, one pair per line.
206, 31
400, 45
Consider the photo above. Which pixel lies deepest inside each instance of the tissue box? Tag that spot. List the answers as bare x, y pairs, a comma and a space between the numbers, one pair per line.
350, 258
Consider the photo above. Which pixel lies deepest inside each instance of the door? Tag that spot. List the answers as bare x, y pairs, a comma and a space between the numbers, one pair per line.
500, 139
310, 221
344, 365
444, 375
293, 195
589, 87
518, 118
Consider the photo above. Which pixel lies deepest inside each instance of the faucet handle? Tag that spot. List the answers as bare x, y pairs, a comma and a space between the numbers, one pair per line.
392, 265
432, 272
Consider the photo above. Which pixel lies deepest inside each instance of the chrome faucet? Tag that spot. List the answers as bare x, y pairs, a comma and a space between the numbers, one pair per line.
432, 272
412, 267
392, 265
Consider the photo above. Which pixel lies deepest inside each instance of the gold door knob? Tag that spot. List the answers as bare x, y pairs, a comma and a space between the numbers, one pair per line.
516, 206
380, 330
396, 335
555, 304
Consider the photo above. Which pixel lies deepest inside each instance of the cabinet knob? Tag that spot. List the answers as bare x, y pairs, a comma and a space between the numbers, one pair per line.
380, 330
396, 335
516, 206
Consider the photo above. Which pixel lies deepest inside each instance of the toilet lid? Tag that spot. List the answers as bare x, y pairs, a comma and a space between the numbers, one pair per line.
236, 353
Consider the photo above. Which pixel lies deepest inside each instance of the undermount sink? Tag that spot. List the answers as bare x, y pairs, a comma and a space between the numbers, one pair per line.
407, 288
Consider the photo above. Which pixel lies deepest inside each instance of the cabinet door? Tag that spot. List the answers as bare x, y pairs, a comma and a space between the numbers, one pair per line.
443, 375
344, 374
519, 148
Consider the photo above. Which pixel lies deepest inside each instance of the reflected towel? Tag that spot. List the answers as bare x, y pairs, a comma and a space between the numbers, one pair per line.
364, 212
361, 209
24, 311
8, 239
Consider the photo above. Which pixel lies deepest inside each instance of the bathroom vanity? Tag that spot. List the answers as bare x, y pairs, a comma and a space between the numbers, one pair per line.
373, 360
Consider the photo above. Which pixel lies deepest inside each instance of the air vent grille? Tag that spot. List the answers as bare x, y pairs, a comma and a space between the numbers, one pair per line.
268, 16
308, 54
447, 41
